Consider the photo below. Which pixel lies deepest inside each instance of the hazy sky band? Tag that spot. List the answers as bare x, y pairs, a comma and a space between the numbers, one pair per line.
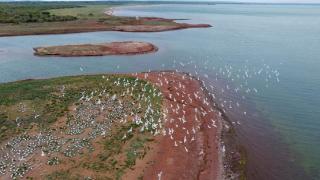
255, 1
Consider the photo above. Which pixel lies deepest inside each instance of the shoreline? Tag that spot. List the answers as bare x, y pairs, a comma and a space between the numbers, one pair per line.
124, 28
179, 151
231, 155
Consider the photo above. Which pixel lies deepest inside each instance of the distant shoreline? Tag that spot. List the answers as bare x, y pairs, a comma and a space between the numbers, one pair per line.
108, 23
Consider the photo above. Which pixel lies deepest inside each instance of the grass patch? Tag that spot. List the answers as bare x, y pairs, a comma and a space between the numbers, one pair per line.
120, 154
39, 103
27, 13
84, 12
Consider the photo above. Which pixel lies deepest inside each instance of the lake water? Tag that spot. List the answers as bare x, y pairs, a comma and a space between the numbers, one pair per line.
263, 62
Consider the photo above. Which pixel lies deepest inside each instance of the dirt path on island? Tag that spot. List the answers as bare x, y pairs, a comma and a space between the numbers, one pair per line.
189, 147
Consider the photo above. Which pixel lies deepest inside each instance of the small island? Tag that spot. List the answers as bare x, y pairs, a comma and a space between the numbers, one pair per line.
113, 48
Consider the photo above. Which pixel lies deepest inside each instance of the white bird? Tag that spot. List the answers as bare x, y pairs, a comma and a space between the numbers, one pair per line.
186, 149
159, 175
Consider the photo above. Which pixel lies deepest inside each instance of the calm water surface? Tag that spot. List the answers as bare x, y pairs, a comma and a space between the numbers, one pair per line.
263, 61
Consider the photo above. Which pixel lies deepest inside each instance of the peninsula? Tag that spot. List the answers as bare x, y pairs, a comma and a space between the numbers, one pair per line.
61, 17
141, 125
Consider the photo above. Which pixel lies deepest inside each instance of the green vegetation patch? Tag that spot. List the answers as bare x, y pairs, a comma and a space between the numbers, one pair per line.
83, 12
26, 103
27, 13
121, 150
100, 123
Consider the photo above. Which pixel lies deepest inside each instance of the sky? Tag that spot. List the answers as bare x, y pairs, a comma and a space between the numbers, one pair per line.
274, 1
255, 1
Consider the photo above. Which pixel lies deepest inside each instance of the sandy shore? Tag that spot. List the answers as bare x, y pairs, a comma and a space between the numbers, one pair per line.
113, 48
190, 146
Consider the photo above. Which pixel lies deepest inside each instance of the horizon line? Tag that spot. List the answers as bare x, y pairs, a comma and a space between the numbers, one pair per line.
172, 1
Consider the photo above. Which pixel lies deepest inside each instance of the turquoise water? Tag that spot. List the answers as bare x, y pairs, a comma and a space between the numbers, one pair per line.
269, 52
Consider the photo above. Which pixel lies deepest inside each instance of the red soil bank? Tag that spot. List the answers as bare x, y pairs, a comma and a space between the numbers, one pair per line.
190, 148
114, 48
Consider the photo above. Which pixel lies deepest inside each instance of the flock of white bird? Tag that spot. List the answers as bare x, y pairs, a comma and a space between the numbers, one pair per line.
93, 118
217, 81
223, 80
